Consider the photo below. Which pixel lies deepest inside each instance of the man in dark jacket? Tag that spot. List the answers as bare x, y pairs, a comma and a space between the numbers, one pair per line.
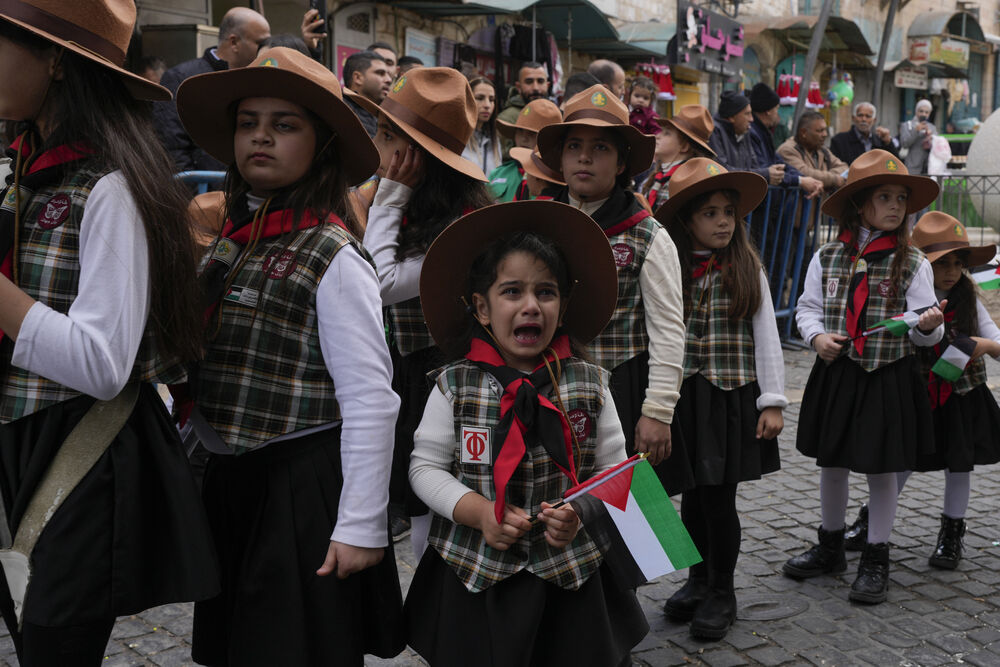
731, 139
764, 105
241, 32
863, 136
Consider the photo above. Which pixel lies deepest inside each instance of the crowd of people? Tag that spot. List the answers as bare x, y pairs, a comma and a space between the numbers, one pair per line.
418, 314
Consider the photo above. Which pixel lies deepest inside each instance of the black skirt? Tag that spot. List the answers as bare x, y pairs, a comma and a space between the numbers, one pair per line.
132, 534
520, 621
870, 423
410, 381
272, 512
966, 433
714, 438
628, 387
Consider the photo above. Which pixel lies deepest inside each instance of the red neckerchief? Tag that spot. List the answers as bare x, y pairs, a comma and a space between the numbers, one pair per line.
660, 178
939, 389
522, 194
703, 265
524, 412
857, 291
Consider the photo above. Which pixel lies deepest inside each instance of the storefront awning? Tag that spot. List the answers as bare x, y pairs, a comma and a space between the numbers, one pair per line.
634, 39
956, 24
934, 70
843, 37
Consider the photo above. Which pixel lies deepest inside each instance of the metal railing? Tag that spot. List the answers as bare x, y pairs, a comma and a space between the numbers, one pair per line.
202, 179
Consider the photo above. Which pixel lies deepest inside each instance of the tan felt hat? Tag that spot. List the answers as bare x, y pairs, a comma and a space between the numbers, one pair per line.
532, 163
434, 106
206, 105
99, 30
938, 234
694, 122
597, 107
533, 117
699, 175
879, 167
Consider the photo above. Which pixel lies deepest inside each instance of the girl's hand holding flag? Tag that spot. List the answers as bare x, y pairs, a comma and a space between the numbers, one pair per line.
561, 524
829, 346
985, 346
932, 318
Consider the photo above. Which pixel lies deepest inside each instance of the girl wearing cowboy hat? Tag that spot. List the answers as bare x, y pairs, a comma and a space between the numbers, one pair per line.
293, 395
97, 292
729, 413
598, 153
537, 175
865, 407
512, 291
509, 181
424, 124
681, 138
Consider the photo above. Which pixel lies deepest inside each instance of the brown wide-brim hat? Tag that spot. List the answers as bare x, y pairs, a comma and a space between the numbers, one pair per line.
533, 117
207, 103
938, 234
695, 123
878, 167
445, 274
597, 107
98, 30
434, 107
700, 175
532, 163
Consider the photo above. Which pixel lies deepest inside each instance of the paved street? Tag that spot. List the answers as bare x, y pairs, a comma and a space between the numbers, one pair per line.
932, 617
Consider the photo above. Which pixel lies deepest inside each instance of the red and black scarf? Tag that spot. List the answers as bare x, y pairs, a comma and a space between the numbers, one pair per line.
619, 213
702, 264
661, 178
939, 388
527, 418
857, 292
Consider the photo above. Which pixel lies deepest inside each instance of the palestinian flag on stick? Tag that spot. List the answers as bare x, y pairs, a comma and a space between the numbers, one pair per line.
628, 514
986, 276
897, 325
955, 358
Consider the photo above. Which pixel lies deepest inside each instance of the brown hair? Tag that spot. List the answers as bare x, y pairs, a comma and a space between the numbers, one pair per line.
850, 221
962, 297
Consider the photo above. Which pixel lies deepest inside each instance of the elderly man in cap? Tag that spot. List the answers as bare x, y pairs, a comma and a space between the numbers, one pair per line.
915, 136
764, 105
732, 142
863, 135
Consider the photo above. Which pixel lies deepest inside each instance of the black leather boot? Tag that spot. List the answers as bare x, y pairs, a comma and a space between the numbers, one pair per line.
948, 551
680, 606
717, 611
872, 584
856, 535
827, 557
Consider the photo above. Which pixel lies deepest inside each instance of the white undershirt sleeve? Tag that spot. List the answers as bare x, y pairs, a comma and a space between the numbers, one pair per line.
768, 357
399, 279
920, 294
433, 454
660, 283
809, 307
987, 327
610, 437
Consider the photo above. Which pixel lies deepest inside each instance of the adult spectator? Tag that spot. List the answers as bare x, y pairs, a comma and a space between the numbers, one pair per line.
732, 142
863, 135
577, 83
406, 63
915, 135
532, 84
366, 74
151, 68
388, 54
288, 41
806, 152
241, 32
764, 105
610, 74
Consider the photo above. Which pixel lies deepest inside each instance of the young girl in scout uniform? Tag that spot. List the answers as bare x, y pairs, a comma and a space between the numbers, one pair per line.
509, 181
424, 124
729, 412
538, 176
598, 153
507, 429
96, 263
294, 393
865, 407
683, 137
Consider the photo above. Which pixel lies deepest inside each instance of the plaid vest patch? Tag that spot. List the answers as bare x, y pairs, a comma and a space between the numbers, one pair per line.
625, 336
715, 346
49, 271
408, 328
883, 302
263, 374
475, 397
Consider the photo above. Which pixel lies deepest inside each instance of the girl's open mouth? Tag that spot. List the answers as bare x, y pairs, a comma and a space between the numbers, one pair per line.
527, 334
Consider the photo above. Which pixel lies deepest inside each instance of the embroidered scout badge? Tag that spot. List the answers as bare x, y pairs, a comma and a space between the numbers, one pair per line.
623, 254
581, 423
243, 296
861, 266
599, 99
226, 251
891, 165
54, 213
476, 446
831, 287
270, 62
885, 288
398, 86
278, 266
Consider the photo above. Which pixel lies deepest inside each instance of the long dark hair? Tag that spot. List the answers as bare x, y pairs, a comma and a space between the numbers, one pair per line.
91, 104
739, 261
963, 298
850, 221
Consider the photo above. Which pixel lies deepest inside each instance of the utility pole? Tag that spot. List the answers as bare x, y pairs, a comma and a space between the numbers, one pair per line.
880, 68
819, 30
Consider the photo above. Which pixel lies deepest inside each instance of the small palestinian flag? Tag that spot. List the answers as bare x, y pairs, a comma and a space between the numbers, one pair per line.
897, 325
986, 276
955, 358
628, 514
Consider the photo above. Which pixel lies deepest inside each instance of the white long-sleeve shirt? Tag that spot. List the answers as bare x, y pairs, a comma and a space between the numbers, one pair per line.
399, 279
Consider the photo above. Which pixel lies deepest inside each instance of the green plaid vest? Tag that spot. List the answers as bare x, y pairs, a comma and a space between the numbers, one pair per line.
716, 346
625, 336
883, 302
408, 328
475, 397
974, 374
48, 255
263, 374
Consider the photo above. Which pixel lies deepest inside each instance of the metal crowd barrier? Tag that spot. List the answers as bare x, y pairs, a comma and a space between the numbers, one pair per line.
202, 179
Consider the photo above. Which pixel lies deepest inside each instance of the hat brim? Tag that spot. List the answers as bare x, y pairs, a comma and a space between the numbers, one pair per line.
204, 103
508, 130
435, 148
641, 146
444, 277
981, 254
923, 191
687, 135
527, 162
138, 87
752, 189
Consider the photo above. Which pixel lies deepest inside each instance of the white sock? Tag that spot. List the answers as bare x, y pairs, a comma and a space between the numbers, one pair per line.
882, 490
833, 497
901, 478
956, 493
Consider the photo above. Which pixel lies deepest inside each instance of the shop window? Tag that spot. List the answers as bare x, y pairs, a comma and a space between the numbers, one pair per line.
360, 22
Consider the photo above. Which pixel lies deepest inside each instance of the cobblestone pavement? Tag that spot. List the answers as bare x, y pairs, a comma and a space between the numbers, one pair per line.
932, 617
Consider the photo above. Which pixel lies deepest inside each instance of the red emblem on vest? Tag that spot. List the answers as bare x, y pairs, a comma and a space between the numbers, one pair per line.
885, 288
623, 254
55, 212
580, 421
476, 446
280, 266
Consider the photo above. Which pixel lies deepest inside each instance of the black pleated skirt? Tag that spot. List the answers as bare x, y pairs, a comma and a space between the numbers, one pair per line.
410, 381
132, 534
966, 433
520, 621
714, 438
870, 423
628, 387
272, 512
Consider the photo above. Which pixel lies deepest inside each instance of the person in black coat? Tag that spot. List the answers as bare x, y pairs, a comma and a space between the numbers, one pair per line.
862, 136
